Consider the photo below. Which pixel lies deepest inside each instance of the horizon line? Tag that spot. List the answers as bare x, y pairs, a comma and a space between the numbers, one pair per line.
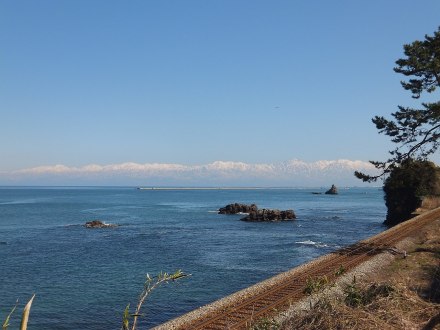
186, 187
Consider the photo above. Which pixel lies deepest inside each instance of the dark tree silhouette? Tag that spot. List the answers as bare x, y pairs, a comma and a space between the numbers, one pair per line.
406, 186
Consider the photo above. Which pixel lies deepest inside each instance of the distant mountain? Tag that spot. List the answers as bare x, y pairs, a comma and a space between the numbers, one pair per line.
219, 173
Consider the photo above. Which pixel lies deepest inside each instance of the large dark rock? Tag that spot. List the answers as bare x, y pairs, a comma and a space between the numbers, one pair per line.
237, 208
254, 214
332, 191
269, 215
98, 224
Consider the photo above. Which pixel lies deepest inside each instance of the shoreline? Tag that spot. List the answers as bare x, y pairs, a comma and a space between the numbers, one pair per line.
221, 305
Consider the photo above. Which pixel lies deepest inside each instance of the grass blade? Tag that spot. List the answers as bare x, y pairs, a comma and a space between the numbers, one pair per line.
6, 323
25, 317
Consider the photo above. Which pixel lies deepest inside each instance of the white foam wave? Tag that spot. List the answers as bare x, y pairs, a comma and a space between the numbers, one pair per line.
308, 242
312, 243
22, 201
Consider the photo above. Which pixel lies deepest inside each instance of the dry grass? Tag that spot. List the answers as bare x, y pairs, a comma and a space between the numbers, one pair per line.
399, 309
428, 203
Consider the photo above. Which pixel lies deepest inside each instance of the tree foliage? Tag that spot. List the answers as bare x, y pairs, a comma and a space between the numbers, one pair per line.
405, 187
415, 131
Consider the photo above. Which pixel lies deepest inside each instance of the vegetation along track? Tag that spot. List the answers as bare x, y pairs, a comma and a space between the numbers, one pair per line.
238, 313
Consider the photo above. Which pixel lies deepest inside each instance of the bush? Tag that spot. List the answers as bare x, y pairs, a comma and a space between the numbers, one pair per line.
315, 284
405, 187
356, 296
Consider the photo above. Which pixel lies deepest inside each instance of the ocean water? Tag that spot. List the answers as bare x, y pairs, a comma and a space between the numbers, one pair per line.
84, 278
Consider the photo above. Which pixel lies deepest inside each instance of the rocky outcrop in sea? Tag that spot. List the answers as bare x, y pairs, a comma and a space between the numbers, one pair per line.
270, 215
332, 191
236, 208
99, 224
257, 215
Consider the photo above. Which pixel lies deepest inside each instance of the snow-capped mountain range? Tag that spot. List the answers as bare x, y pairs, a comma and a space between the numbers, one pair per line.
219, 173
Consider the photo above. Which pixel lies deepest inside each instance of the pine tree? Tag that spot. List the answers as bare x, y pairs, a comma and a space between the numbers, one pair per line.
415, 131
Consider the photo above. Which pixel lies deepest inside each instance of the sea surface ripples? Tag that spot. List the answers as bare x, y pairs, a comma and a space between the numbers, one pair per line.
84, 278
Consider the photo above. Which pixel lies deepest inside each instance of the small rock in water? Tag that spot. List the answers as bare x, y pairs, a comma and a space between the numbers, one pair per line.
98, 224
332, 191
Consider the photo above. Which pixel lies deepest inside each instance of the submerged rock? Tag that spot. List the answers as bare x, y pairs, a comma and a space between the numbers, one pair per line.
98, 224
332, 191
270, 215
237, 208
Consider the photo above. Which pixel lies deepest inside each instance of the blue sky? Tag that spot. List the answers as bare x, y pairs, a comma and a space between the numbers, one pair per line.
194, 82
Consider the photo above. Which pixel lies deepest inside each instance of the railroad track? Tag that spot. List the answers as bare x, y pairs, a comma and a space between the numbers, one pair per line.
238, 315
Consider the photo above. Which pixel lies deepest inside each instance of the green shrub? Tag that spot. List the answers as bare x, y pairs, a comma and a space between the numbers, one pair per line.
340, 271
315, 284
356, 296
266, 324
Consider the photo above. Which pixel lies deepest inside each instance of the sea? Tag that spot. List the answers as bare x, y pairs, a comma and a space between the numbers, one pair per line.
84, 278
